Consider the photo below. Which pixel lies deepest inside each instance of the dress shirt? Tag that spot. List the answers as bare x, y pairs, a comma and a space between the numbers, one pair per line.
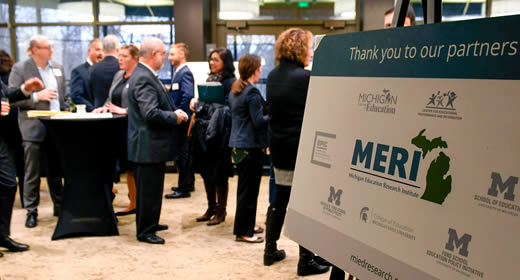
49, 80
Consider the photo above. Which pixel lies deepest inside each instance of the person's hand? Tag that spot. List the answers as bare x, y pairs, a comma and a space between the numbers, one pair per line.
116, 109
6, 108
33, 84
47, 94
100, 110
181, 116
193, 101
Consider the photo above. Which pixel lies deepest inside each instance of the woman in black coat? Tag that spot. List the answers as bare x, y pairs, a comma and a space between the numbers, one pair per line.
287, 88
248, 139
215, 166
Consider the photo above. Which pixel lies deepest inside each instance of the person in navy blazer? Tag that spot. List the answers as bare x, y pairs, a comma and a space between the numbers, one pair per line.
102, 73
182, 92
153, 120
79, 83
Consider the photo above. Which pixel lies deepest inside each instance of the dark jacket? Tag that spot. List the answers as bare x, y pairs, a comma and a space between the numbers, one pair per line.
286, 94
152, 123
212, 127
100, 79
183, 79
79, 86
248, 119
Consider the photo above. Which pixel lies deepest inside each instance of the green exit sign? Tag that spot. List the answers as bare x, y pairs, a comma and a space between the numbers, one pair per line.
303, 4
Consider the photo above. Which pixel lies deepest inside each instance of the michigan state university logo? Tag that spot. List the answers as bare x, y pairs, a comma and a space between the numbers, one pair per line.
400, 163
335, 196
461, 243
507, 187
363, 215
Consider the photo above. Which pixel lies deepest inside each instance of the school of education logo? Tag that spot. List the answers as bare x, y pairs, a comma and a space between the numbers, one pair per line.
500, 195
383, 102
332, 206
441, 105
363, 215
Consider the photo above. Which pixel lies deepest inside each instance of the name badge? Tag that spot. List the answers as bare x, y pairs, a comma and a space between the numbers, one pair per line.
57, 72
175, 86
127, 85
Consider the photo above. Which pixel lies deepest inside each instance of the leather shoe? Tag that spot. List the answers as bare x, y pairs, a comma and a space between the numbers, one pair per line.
152, 239
31, 220
177, 195
176, 189
12, 245
160, 227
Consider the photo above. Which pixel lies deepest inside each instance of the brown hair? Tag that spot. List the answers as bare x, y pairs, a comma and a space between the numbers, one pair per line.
184, 48
6, 62
132, 49
292, 44
247, 66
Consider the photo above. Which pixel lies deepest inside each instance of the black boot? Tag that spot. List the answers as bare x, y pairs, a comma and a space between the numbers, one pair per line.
220, 214
275, 219
211, 195
12, 245
307, 265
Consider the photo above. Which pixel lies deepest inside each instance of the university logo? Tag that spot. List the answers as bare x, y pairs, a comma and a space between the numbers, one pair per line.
461, 243
442, 100
507, 188
335, 196
383, 102
363, 215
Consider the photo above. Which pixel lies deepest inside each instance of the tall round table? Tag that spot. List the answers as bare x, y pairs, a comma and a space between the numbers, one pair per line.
87, 149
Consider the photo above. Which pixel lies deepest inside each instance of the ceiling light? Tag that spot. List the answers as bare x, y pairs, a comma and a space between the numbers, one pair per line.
81, 11
345, 9
238, 9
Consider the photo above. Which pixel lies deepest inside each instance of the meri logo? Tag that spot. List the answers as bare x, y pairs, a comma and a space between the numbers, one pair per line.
507, 187
455, 242
335, 196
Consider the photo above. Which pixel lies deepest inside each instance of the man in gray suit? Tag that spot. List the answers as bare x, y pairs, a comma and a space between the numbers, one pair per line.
35, 139
153, 120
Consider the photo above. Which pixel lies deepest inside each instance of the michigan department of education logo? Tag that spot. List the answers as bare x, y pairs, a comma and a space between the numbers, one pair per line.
383, 102
455, 254
500, 195
441, 105
363, 215
332, 205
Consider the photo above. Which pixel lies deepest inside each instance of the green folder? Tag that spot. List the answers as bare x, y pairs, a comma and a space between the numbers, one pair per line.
212, 92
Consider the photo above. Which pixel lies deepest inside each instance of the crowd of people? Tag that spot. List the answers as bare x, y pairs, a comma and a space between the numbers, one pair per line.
164, 124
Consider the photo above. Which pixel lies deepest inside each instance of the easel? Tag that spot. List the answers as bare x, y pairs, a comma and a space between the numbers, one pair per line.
432, 10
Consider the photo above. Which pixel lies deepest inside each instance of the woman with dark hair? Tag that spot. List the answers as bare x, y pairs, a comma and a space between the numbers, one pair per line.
117, 103
6, 63
214, 164
287, 88
248, 138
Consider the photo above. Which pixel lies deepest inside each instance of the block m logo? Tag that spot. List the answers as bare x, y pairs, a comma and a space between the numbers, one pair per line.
335, 196
508, 188
455, 242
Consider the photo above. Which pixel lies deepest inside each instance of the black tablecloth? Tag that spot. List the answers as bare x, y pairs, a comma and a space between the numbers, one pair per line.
87, 149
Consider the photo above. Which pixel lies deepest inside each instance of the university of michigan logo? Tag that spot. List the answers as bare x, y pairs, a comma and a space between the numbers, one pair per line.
455, 242
335, 196
507, 187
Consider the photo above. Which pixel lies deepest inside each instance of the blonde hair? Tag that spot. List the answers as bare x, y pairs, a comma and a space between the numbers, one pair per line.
293, 44
184, 48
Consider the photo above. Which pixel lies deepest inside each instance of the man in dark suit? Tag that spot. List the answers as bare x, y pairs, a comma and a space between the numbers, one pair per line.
152, 123
102, 73
182, 92
35, 139
79, 83
7, 161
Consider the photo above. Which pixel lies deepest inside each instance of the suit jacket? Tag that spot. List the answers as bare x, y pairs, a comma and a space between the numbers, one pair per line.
152, 123
248, 119
32, 129
101, 76
79, 86
185, 88
124, 97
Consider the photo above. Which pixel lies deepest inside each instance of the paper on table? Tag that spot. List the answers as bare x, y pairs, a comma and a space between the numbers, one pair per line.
82, 116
